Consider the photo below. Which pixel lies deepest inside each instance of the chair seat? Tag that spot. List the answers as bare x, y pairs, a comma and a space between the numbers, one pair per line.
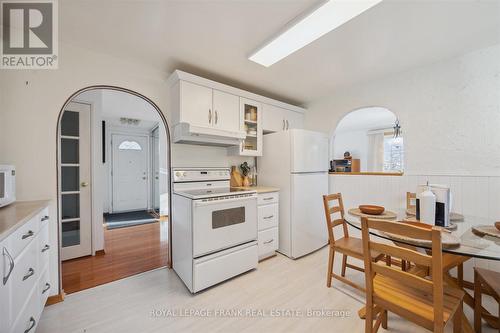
411, 303
354, 247
491, 278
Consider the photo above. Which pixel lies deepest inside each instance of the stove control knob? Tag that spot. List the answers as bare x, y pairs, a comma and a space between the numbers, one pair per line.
177, 173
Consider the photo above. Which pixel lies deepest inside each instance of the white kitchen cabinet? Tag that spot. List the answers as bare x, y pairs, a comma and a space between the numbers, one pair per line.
268, 220
226, 107
195, 104
276, 119
25, 278
251, 123
206, 107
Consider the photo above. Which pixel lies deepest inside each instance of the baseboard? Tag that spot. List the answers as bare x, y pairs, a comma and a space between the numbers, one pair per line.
100, 252
55, 299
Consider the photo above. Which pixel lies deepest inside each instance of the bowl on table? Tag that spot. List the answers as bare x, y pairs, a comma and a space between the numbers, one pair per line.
497, 225
371, 209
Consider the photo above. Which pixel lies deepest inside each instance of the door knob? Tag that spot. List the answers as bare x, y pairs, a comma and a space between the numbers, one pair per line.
84, 184
144, 178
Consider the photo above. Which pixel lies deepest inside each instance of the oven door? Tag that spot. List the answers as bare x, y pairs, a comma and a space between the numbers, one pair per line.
222, 223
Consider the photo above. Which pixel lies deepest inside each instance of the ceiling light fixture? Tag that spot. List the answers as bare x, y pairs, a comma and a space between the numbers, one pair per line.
306, 29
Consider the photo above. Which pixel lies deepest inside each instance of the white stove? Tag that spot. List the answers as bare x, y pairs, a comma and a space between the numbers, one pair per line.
214, 227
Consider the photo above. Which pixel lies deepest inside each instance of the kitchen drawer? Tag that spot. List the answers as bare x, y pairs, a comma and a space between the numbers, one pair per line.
28, 318
43, 288
267, 198
43, 246
220, 266
24, 277
268, 242
268, 216
20, 238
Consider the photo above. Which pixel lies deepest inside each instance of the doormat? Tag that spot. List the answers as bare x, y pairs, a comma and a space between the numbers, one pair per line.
128, 219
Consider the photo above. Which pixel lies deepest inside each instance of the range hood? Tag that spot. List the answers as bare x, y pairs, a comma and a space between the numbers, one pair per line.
197, 135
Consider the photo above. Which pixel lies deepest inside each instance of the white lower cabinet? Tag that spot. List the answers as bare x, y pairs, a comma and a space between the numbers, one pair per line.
268, 218
25, 280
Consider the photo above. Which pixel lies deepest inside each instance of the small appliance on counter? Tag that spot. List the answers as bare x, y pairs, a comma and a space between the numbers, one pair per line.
443, 200
7, 184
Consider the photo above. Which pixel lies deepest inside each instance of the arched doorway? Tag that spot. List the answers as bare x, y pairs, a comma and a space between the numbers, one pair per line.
368, 139
113, 185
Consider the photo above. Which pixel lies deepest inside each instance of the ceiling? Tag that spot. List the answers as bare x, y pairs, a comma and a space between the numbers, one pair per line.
118, 104
365, 119
214, 39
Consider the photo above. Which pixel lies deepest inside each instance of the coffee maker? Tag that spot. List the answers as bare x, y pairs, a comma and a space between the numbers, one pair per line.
443, 203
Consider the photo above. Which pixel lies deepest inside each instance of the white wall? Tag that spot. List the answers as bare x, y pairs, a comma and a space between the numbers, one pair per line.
29, 109
449, 112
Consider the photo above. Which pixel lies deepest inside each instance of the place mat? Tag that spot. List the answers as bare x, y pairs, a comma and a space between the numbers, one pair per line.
453, 216
483, 230
448, 240
385, 215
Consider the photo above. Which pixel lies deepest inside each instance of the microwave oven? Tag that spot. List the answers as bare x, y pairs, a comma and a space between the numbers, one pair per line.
7, 185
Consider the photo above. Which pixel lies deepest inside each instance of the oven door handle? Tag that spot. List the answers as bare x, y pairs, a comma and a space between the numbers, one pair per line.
200, 203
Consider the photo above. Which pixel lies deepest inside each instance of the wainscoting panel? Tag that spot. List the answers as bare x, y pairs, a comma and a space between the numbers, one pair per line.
471, 195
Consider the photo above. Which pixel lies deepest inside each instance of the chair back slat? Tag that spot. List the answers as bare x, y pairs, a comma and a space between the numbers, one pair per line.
333, 204
402, 229
399, 252
432, 286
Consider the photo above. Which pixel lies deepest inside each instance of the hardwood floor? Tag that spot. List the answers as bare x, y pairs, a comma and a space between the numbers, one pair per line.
128, 251
158, 301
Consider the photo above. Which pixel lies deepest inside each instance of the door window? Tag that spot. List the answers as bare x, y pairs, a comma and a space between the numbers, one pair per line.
129, 145
227, 217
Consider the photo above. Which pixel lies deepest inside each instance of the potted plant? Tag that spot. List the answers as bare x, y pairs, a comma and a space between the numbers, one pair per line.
245, 169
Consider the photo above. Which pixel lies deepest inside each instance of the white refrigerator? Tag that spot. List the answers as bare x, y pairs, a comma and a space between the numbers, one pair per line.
296, 161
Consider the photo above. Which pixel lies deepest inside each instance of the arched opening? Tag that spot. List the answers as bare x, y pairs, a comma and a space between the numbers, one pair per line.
368, 139
113, 186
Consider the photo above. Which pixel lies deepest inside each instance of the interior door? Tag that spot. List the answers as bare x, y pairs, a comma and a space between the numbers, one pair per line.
74, 181
196, 104
226, 111
307, 216
130, 172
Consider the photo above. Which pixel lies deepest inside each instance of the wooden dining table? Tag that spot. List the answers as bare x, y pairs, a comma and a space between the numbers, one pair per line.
470, 245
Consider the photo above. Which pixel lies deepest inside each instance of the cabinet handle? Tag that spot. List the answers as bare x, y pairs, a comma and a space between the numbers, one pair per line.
46, 248
33, 323
284, 124
11, 265
269, 241
28, 234
47, 287
268, 217
269, 198
216, 116
242, 145
287, 124
30, 273
209, 116
45, 218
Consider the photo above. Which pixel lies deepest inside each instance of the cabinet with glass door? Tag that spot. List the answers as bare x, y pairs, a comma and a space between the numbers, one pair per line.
251, 124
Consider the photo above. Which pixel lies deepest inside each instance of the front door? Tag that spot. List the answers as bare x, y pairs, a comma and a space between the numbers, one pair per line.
130, 181
74, 181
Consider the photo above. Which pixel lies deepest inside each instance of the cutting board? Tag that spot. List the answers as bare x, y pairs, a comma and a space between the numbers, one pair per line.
486, 230
385, 215
453, 216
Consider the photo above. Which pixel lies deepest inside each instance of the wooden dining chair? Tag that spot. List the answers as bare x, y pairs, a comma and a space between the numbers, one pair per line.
427, 302
485, 281
411, 200
348, 246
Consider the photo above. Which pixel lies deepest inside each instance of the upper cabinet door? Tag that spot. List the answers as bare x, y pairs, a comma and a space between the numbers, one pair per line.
273, 118
294, 120
226, 111
196, 105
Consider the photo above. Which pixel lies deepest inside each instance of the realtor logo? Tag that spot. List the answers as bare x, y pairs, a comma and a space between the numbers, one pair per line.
29, 34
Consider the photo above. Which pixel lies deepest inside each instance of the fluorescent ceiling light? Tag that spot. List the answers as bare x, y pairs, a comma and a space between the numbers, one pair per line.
325, 18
